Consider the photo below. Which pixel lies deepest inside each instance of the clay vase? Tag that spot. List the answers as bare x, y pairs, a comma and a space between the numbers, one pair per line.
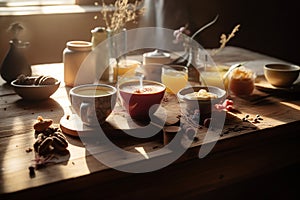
15, 62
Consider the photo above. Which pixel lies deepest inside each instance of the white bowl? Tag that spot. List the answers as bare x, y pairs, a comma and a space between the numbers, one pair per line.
35, 92
204, 106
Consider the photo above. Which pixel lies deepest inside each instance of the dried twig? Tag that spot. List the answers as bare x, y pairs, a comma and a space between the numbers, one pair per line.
224, 40
116, 16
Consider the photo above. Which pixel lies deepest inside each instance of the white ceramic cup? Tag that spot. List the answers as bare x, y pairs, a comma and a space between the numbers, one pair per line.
93, 102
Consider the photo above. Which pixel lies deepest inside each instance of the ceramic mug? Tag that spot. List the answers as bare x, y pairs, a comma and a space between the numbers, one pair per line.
141, 102
93, 102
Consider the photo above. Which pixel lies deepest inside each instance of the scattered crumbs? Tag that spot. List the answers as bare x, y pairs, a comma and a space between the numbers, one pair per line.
73, 163
28, 150
68, 117
32, 113
255, 120
17, 146
4, 109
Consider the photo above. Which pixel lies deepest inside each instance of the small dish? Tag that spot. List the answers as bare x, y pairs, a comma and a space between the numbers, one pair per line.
35, 92
281, 75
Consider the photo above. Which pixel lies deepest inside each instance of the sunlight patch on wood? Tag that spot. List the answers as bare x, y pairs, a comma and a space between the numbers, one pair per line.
142, 151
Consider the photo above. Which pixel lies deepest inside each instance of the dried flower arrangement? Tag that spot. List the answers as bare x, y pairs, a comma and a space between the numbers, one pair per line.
182, 33
15, 29
224, 39
116, 16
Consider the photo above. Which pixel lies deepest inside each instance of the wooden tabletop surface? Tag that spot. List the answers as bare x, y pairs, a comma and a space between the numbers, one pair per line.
245, 149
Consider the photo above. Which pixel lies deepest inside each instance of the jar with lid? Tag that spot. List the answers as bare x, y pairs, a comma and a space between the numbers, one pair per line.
241, 81
156, 56
73, 56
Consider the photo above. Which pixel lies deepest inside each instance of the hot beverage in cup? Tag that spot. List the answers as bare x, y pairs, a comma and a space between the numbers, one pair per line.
141, 101
93, 102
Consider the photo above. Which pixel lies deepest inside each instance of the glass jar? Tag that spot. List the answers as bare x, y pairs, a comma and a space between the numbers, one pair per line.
191, 60
100, 34
213, 76
117, 48
241, 81
73, 56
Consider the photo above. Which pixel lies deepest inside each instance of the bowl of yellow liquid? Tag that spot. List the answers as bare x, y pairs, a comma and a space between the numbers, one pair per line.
174, 77
125, 68
214, 76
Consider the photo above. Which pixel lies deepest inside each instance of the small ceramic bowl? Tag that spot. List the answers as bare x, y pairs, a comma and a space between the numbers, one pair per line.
35, 92
203, 105
281, 75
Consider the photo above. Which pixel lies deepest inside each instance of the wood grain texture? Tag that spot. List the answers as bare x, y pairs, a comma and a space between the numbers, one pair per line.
245, 149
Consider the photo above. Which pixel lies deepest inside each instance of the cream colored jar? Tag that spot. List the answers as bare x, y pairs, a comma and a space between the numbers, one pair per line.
73, 56
156, 57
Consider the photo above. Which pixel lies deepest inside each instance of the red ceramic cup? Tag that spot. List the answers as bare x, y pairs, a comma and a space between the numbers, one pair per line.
139, 102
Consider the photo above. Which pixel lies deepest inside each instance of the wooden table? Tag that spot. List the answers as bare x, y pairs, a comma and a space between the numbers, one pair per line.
239, 154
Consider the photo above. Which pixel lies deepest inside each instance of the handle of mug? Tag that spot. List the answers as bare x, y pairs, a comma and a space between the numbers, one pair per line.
84, 112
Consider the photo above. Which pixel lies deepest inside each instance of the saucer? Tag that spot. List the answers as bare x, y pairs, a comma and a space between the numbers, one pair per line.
72, 125
262, 84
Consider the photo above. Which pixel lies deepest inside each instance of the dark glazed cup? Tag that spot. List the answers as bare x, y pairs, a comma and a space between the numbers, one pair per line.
93, 102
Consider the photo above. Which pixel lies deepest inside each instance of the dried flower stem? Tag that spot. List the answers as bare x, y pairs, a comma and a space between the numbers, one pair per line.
15, 28
224, 40
205, 26
122, 12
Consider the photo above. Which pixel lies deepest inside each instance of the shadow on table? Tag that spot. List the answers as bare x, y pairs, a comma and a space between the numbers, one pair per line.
47, 105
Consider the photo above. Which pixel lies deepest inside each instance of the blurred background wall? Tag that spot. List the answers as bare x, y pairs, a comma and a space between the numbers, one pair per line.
268, 27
